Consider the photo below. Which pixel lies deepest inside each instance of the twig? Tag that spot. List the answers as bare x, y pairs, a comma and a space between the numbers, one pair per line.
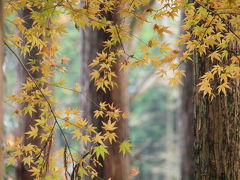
50, 107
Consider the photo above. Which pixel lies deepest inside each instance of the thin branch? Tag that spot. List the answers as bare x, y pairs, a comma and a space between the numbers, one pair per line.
217, 14
46, 99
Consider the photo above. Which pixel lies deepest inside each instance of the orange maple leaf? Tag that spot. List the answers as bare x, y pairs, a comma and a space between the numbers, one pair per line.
134, 172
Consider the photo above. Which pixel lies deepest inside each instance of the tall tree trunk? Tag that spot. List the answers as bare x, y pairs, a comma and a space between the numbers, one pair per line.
186, 119
26, 121
216, 128
1, 92
186, 125
216, 125
115, 164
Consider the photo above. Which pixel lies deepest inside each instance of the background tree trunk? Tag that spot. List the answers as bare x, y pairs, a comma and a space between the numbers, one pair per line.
186, 118
216, 128
1, 93
186, 125
26, 121
116, 165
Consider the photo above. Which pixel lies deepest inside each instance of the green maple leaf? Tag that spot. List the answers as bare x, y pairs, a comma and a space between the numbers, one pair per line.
82, 171
100, 151
125, 146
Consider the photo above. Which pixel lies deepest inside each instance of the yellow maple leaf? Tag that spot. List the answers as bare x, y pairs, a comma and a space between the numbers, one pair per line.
29, 109
98, 138
98, 113
27, 160
85, 139
222, 88
33, 132
35, 171
215, 55
110, 136
109, 126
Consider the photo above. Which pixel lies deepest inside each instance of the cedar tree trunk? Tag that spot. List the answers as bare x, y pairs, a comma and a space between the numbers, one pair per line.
115, 164
26, 121
216, 129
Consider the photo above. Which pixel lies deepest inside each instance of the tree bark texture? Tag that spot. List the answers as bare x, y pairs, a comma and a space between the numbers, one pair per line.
115, 165
216, 129
26, 121
1, 93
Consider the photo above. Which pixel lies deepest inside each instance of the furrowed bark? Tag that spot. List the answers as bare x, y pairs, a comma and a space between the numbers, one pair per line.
216, 129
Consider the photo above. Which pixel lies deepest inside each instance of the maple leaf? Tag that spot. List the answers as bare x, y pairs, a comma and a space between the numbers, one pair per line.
109, 126
174, 81
95, 74
161, 29
98, 113
124, 115
222, 88
98, 138
18, 153
215, 55
91, 129
110, 136
94, 63
134, 172
33, 132
80, 122
100, 151
27, 160
125, 146
205, 87
29, 109
184, 38
11, 160
77, 134
103, 105
85, 139
161, 72
125, 65
173, 66
102, 56
82, 171
34, 171
29, 148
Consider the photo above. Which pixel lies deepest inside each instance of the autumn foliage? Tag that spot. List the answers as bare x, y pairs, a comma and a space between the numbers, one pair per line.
211, 30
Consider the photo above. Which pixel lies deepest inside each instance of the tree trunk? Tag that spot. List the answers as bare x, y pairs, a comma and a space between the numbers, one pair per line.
26, 121
186, 119
186, 125
216, 129
1, 92
115, 165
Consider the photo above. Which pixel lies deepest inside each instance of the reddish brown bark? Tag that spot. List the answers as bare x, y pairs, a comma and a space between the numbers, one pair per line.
186, 119
216, 128
26, 121
115, 165
186, 125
